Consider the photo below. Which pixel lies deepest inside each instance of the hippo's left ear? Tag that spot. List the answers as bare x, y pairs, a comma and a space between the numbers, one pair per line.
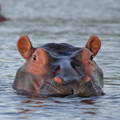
93, 44
24, 46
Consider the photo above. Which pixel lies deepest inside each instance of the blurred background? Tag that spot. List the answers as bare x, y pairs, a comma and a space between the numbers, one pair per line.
67, 9
70, 21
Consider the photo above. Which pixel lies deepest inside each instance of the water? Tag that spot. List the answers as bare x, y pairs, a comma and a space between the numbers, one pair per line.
60, 21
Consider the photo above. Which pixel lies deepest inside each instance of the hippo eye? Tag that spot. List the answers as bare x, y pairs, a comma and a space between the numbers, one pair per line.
91, 57
34, 57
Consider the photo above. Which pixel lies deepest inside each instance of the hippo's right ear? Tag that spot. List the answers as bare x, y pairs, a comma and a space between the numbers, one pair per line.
94, 44
24, 46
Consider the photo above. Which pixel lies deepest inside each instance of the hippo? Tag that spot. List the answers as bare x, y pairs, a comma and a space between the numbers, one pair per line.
59, 69
2, 18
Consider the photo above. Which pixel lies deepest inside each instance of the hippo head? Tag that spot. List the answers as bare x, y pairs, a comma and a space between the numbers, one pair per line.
59, 69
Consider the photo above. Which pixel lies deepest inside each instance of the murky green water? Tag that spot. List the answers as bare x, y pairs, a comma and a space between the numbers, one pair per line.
60, 21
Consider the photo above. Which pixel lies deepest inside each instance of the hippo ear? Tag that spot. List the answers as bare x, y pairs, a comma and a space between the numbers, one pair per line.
93, 44
24, 46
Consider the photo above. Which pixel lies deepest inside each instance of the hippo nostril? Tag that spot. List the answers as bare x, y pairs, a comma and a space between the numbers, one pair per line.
57, 70
86, 79
58, 80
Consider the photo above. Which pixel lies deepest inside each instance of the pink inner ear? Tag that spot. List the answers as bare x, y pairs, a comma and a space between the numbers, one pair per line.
93, 44
24, 46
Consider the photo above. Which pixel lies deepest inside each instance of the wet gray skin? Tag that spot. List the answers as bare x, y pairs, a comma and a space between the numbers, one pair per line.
73, 67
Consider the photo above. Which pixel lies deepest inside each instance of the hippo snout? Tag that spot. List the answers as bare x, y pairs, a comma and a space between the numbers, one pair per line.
83, 87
